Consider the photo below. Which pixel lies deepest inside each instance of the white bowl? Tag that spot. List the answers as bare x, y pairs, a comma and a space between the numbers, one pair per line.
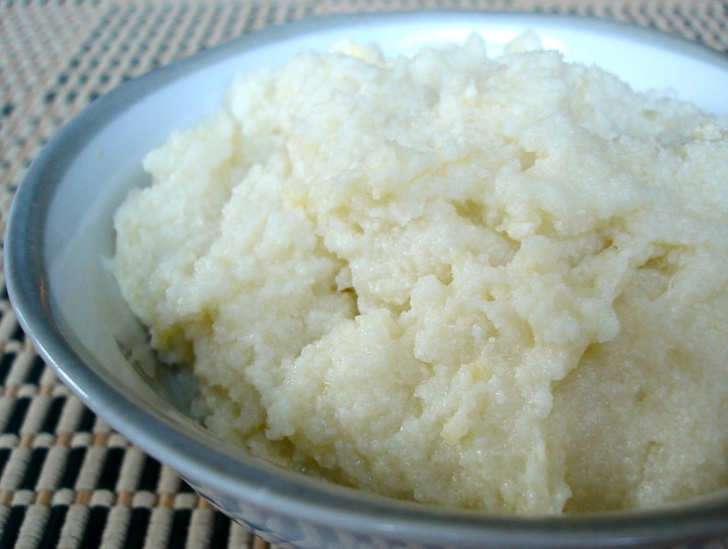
60, 231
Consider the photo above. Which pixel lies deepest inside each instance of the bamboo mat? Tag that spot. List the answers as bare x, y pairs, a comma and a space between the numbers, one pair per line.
67, 480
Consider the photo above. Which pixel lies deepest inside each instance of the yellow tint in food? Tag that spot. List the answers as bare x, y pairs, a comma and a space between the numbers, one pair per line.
495, 283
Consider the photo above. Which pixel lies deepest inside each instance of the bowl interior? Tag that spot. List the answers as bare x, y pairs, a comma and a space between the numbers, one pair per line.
110, 141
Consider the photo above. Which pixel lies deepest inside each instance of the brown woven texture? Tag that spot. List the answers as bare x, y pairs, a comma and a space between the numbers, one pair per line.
66, 479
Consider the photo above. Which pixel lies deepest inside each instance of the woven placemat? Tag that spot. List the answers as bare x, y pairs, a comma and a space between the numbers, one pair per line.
67, 480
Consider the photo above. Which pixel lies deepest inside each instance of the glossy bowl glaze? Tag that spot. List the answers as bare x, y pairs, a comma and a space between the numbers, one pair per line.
60, 234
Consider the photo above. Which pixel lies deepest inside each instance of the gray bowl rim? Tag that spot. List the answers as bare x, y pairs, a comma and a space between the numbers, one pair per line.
263, 485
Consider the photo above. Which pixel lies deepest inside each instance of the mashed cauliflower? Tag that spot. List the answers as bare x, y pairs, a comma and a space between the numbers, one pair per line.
495, 283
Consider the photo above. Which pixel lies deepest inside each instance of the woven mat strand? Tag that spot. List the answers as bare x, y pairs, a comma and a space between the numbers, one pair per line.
67, 480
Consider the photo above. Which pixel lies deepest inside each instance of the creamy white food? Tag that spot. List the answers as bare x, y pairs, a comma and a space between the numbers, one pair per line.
496, 283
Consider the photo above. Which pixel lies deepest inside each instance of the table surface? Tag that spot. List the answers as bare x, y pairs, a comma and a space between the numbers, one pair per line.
67, 480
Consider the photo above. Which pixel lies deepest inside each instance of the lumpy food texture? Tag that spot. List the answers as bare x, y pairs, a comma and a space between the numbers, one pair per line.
494, 283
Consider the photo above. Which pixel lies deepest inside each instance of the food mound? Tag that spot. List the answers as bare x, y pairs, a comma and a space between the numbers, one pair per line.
495, 283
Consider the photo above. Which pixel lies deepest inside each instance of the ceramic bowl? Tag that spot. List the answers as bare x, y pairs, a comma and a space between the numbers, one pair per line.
60, 232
